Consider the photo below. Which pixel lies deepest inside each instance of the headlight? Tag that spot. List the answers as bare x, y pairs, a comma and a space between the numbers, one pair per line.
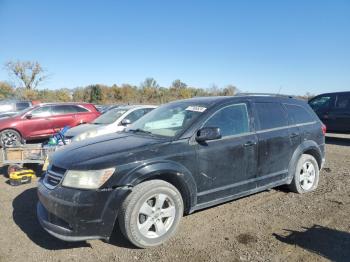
85, 136
90, 179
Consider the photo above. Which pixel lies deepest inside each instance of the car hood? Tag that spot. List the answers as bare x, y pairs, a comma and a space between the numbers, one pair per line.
74, 131
104, 151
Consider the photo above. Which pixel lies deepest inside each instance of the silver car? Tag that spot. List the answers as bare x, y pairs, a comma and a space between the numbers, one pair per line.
114, 120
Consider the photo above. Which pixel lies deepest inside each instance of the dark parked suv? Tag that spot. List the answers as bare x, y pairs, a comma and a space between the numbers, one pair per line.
334, 111
179, 158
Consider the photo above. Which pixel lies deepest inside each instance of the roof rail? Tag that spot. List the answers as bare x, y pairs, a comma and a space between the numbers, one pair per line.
263, 94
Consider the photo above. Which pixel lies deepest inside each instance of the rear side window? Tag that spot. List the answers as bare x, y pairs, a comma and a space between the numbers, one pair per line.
80, 109
232, 120
67, 109
298, 114
271, 115
342, 103
61, 110
22, 105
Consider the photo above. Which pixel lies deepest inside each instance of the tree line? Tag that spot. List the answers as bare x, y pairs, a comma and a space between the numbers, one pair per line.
103, 94
28, 75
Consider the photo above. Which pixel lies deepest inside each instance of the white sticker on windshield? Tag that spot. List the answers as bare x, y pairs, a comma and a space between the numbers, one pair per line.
196, 108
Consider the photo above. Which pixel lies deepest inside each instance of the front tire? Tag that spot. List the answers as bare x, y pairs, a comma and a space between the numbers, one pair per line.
307, 175
10, 138
151, 213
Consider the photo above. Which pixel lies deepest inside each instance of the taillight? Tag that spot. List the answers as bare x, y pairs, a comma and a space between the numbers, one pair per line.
324, 129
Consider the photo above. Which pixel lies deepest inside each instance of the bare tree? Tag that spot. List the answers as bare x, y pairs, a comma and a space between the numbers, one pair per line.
230, 90
150, 83
30, 74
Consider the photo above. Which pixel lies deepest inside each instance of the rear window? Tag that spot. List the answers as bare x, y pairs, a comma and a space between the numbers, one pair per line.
271, 115
298, 114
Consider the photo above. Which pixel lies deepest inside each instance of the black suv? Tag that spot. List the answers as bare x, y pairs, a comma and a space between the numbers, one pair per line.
179, 158
334, 111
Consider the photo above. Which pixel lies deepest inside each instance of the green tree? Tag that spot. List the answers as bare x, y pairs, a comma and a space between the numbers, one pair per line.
6, 90
95, 94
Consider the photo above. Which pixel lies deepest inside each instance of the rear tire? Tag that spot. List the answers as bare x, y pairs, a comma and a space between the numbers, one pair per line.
10, 138
307, 175
151, 213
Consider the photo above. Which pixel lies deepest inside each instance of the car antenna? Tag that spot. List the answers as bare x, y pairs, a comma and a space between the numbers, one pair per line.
279, 90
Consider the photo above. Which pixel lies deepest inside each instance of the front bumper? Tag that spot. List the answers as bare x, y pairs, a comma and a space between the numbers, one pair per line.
77, 215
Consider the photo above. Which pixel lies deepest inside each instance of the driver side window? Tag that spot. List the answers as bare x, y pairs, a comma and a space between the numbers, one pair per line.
232, 120
43, 111
135, 115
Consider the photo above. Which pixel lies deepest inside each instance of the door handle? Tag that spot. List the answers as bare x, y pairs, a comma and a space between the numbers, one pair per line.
292, 135
249, 143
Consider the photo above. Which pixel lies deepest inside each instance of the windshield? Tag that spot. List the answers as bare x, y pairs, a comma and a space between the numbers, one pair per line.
169, 120
109, 117
319, 103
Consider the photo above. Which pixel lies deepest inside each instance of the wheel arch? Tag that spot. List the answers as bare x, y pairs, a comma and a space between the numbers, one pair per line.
307, 147
171, 172
12, 128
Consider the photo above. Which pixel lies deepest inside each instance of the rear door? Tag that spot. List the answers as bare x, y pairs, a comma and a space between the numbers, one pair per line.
339, 115
85, 113
39, 124
227, 166
276, 142
303, 120
63, 115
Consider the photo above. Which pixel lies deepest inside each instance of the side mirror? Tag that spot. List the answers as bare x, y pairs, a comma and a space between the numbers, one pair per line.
208, 133
29, 116
125, 122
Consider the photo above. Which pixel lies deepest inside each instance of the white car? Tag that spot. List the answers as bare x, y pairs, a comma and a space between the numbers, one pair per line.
114, 120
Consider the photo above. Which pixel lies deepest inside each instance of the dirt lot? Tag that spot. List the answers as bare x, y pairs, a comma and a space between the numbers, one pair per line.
270, 226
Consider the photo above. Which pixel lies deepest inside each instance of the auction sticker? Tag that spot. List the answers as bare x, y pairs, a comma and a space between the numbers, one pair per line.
196, 108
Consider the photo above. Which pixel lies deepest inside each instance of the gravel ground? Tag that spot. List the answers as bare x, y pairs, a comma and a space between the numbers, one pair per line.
273, 225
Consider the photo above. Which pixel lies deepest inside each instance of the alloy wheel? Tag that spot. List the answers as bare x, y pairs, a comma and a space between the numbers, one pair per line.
307, 175
9, 138
156, 216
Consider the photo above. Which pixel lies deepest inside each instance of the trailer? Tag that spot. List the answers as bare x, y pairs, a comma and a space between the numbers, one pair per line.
16, 157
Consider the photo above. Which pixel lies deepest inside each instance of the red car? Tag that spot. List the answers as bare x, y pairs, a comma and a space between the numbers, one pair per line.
43, 120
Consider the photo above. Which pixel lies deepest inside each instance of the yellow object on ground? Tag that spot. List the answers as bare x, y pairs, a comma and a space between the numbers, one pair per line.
21, 177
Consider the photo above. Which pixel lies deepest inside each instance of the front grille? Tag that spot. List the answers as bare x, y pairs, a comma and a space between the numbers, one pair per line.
53, 176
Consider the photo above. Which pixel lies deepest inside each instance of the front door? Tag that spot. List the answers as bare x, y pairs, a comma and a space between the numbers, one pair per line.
339, 115
37, 122
322, 105
227, 166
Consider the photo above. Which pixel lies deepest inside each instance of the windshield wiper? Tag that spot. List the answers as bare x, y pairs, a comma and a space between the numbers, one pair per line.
139, 130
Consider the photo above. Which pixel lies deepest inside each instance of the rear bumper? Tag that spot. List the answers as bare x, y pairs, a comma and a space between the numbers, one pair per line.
77, 215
